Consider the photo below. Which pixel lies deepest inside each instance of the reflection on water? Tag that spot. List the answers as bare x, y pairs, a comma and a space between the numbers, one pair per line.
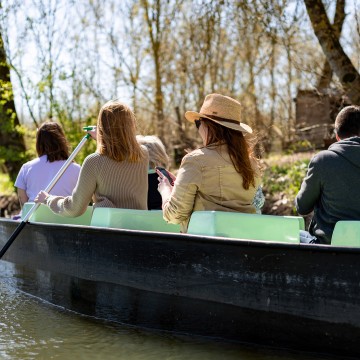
33, 329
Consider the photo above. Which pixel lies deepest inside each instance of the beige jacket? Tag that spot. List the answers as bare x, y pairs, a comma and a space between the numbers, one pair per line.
207, 180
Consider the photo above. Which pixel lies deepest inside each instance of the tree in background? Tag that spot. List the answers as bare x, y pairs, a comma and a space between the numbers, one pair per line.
12, 145
163, 57
329, 40
327, 73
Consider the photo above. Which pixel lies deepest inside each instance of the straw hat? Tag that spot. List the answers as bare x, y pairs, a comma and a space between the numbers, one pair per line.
221, 109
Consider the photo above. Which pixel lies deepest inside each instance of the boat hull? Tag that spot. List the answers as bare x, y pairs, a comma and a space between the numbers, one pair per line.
295, 296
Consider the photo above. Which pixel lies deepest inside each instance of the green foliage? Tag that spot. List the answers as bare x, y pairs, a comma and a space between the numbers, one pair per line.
299, 146
74, 133
6, 185
285, 175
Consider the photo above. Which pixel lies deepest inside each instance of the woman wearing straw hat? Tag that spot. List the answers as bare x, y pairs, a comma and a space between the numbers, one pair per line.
222, 175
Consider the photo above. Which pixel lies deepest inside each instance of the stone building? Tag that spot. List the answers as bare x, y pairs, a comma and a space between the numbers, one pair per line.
315, 116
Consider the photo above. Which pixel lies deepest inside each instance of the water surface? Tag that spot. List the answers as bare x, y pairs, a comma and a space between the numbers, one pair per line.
33, 329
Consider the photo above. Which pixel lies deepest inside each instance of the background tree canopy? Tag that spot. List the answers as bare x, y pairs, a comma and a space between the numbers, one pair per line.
66, 58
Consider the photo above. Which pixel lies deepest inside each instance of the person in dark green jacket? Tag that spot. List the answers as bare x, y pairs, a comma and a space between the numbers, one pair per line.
331, 187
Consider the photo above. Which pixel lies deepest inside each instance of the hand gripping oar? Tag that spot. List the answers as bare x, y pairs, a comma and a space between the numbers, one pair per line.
48, 189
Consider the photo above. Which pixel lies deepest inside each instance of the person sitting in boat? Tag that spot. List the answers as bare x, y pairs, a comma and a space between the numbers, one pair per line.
331, 186
157, 157
222, 175
115, 175
53, 150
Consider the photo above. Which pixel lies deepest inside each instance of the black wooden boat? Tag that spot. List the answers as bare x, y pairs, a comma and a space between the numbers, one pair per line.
285, 295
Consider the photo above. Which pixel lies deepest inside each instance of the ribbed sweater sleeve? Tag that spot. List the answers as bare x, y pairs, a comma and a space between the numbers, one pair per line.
109, 183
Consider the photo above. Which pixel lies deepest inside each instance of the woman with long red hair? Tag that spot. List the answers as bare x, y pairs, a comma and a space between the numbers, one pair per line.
222, 175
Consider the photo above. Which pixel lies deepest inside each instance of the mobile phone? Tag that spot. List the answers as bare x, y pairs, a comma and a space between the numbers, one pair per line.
165, 173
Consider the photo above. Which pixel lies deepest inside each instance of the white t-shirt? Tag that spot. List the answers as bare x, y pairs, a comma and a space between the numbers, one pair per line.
37, 174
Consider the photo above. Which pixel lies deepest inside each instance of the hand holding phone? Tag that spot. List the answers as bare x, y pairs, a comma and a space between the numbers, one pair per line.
165, 173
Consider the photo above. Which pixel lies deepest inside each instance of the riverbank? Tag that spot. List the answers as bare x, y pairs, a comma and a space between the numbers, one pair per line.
283, 174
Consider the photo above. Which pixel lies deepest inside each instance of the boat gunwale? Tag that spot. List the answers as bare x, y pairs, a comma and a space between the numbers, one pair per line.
200, 238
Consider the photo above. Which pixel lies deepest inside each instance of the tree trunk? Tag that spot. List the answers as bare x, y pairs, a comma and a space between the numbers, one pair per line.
338, 60
326, 75
154, 30
12, 145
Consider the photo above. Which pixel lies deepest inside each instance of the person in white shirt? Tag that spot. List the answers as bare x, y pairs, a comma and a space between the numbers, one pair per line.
53, 150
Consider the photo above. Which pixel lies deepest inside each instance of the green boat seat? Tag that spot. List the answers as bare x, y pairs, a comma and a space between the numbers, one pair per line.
246, 226
45, 215
131, 219
346, 233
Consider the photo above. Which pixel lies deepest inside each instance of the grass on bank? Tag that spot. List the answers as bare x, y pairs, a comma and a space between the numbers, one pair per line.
282, 178
285, 173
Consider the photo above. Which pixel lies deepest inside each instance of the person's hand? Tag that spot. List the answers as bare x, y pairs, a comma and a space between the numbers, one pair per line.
92, 131
164, 187
41, 197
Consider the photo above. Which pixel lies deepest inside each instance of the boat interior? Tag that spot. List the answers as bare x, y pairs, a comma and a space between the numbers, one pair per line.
270, 228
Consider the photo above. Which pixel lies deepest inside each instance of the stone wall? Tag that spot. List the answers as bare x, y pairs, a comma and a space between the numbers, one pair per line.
315, 116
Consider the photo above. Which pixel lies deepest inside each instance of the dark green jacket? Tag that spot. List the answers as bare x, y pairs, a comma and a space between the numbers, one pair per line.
331, 188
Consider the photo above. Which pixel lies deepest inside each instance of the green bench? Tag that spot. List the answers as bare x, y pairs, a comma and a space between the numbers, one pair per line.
247, 226
131, 219
346, 233
45, 215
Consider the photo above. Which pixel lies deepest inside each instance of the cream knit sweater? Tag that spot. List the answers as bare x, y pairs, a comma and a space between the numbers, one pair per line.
108, 183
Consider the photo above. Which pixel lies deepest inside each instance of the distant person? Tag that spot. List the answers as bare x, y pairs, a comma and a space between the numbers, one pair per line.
157, 157
222, 175
331, 187
53, 150
115, 175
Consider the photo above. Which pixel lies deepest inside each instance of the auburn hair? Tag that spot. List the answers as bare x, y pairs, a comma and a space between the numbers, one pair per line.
241, 153
51, 141
116, 133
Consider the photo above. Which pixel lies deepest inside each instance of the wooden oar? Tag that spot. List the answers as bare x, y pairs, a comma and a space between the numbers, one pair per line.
48, 189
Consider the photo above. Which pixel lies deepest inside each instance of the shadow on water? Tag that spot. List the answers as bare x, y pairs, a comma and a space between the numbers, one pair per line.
33, 329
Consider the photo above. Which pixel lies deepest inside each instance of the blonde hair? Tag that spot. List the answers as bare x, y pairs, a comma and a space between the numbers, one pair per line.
156, 149
116, 129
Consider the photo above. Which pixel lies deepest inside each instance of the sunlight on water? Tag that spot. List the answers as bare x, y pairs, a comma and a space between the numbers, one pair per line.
33, 329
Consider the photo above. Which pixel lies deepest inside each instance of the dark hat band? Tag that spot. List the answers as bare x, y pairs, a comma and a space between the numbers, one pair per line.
222, 119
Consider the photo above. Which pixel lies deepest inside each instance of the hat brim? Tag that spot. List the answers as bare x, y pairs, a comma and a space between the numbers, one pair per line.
193, 115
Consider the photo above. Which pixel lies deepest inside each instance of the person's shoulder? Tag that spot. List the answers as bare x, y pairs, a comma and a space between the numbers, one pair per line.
196, 153
34, 162
94, 155
75, 166
93, 158
323, 155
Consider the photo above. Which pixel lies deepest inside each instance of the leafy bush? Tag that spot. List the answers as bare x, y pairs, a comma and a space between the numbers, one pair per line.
299, 146
6, 185
285, 173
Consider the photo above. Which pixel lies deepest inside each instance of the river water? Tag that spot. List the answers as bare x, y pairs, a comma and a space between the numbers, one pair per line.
33, 329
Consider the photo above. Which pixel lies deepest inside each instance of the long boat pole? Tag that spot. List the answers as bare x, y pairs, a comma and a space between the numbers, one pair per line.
48, 189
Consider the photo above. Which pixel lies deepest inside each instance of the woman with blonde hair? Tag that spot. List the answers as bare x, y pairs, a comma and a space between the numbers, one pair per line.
222, 175
115, 175
157, 157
